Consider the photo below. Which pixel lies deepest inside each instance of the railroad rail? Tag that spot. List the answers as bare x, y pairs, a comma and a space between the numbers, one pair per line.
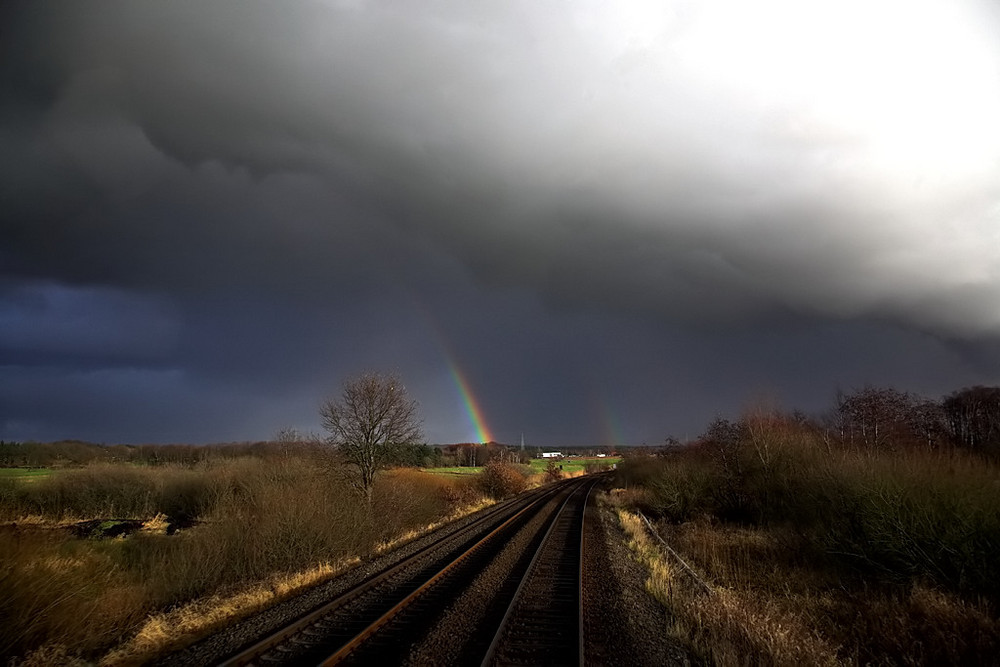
377, 621
543, 624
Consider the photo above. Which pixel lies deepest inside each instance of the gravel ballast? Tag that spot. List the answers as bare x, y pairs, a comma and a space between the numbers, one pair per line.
224, 643
624, 625
457, 638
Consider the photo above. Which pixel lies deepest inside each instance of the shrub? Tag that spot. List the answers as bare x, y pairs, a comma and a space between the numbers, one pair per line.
105, 490
501, 480
256, 520
186, 495
896, 546
463, 490
405, 498
99, 490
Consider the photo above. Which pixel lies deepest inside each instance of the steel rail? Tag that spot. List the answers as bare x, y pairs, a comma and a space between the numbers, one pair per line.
498, 637
249, 655
362, 636
579, 582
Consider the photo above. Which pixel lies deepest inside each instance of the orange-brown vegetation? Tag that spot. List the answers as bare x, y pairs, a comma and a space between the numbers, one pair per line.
818, 550
248, 532
501, 480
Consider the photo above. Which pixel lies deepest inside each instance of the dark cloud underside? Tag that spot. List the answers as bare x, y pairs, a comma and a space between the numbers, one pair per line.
620, 221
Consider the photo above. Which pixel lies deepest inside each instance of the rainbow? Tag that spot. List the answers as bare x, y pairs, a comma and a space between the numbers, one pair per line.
612, 426
469, 402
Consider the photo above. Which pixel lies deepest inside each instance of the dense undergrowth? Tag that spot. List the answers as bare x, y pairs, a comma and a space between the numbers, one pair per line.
501, 480
246, 521
820, 552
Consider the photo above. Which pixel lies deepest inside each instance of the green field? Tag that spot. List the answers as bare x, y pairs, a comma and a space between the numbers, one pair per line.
27, 474
463, 470
575, 463
537, 465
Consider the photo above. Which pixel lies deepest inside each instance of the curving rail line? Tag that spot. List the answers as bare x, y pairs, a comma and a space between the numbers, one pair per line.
371, 622
543, 624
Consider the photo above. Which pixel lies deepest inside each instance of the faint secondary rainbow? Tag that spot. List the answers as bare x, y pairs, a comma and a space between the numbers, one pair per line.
612, 426
470, 403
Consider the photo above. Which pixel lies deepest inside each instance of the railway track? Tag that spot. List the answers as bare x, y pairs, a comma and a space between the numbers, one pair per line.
535, 612
543, 624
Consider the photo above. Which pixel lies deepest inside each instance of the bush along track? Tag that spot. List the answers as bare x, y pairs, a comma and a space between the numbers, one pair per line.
818, 553
81, 580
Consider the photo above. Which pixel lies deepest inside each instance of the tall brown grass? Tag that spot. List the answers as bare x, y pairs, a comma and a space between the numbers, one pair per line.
252, 522
879, 557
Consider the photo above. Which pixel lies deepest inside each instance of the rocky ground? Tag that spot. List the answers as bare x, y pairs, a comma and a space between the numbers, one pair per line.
624, 625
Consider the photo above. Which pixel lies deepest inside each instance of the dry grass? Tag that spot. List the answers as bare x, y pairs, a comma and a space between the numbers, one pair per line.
726, 626
820, 556
175, 628
536, 479
459, 494
262, 530
58, 591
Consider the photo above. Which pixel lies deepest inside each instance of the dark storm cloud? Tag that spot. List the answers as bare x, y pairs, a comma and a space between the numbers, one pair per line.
248, 200
80, 322
528, 147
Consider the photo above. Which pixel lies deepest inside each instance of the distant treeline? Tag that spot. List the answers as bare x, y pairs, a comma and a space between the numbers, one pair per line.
72, 453
78, 452
874, 418
886, 419
479, 454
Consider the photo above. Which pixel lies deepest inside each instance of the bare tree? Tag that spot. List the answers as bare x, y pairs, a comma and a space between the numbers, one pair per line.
290, 439
875, 418
973, 417
373, 417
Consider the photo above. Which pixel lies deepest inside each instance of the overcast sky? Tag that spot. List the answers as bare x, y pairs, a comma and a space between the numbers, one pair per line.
615, 220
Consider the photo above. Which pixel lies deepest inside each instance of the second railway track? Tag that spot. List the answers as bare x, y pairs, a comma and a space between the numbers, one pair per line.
435, 607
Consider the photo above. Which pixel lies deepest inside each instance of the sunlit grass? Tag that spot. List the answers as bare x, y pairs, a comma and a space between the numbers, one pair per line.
179, 626
258, 532
568, 465
576, 463
818, 555
25, 474
455, 470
